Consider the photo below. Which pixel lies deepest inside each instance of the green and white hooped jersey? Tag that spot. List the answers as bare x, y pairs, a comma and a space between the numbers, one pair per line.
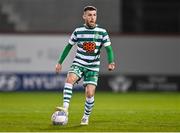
89, 42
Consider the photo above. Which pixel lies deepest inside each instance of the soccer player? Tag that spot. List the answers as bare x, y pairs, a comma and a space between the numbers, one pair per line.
89, 40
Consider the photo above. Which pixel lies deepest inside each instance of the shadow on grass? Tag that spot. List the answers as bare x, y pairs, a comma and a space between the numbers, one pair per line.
59, 128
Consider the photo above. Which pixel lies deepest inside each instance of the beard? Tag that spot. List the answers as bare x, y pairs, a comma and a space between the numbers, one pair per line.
91, 25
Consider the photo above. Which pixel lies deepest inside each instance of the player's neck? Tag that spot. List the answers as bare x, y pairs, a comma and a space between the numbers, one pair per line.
90, 27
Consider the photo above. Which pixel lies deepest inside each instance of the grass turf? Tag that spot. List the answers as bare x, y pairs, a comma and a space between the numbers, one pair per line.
138, 111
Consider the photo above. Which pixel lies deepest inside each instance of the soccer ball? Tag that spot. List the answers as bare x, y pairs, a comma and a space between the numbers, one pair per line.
59, 118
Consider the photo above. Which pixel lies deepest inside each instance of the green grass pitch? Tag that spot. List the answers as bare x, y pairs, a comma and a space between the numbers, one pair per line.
135, 111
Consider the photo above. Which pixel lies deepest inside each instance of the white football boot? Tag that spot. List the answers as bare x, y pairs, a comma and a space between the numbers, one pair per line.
84, 121
62, 109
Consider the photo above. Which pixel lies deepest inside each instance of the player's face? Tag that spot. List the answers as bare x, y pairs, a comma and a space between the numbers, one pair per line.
90, 18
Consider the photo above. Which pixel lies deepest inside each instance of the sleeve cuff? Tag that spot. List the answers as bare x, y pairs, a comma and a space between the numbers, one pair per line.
71, 42
107, 44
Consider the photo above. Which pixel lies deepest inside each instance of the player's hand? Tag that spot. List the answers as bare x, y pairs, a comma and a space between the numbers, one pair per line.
111, 66
58, 68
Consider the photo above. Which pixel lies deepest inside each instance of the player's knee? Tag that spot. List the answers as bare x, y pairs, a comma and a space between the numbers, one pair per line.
70, 80
90, 90
89, 94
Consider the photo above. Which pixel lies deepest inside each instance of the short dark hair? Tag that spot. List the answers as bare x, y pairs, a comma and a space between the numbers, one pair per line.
90, 8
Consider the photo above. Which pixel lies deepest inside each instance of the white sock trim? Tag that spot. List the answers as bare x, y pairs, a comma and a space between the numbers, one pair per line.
68, 85
86, 116
66, 105
90, 100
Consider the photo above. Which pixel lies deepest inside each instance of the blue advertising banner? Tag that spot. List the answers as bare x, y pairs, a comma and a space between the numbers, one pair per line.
33, 82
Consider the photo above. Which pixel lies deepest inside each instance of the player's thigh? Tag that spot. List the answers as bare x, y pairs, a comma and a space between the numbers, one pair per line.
91, 77
90, 82
71, 78
74, 74
90, 90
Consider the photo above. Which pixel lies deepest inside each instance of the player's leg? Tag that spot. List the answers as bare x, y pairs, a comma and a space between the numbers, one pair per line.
89, 103
67, 92
90, 81
73, 76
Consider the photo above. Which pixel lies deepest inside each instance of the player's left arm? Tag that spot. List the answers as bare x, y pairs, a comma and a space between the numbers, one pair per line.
109, 51
110, 57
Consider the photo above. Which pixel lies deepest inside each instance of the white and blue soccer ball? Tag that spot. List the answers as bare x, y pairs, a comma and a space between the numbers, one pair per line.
59, 118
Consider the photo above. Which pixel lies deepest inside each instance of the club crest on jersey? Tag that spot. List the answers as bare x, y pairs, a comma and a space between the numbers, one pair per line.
97, 36
89, 47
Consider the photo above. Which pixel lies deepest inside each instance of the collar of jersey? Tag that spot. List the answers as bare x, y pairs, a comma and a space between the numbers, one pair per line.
87, 27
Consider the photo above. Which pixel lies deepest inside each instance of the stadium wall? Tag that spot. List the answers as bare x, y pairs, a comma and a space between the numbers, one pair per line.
145, 54
27, 62
60, 15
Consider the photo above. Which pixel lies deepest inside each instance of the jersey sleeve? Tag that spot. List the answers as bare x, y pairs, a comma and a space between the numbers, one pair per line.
64, 53
73, 38
110, 54
106, 40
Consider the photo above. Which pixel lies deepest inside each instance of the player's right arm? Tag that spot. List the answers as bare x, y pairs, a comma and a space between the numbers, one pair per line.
62, 57
72, 41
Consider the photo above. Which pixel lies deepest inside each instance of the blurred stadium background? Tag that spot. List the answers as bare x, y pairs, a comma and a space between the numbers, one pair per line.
144, 34
146, 41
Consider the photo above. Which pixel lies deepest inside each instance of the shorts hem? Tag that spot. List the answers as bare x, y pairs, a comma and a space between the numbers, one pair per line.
75, 73
85, 84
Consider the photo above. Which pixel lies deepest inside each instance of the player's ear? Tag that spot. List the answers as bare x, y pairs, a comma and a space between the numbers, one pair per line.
84, 16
